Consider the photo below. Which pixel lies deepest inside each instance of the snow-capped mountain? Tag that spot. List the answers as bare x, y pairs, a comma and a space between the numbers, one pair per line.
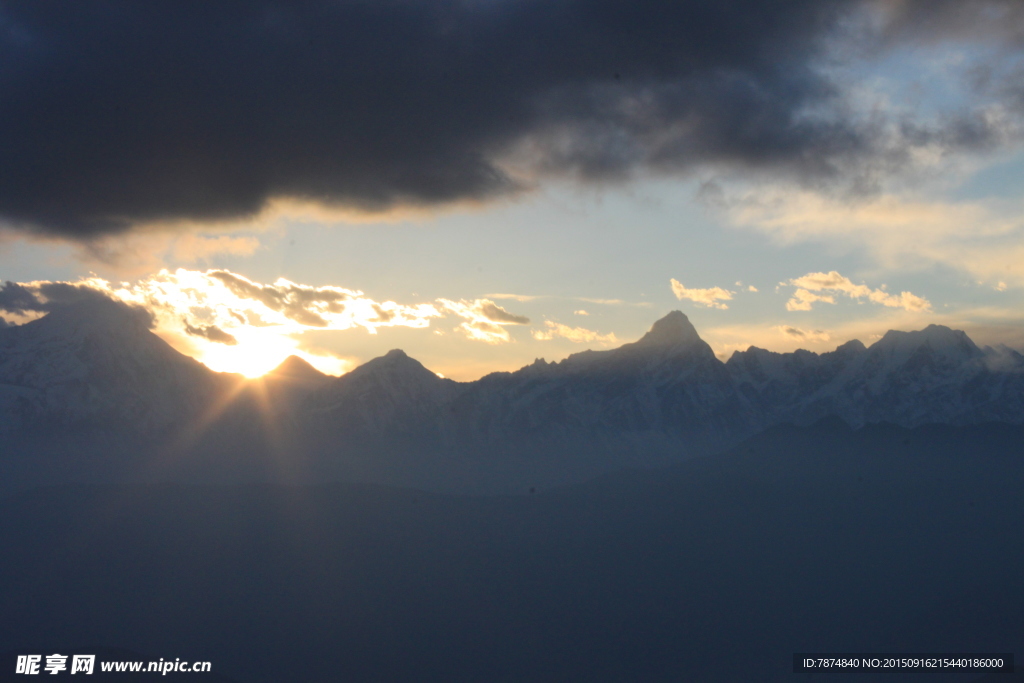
393, 392
934, 375
97, 365
656, 400
669, 382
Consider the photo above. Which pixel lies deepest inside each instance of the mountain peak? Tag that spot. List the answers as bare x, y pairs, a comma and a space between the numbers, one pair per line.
938, 337
296, 369
674, 329
852, 346
395, 360
94, 313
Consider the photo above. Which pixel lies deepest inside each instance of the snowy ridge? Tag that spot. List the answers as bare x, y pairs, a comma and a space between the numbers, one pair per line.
100, 365
909, 378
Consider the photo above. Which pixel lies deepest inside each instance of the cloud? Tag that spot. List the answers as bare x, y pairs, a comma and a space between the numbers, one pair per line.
211, 332
802, 300
18, 298
497, 314
227, 308
235, 324
484, 320
995, 20
580, 312
834, 282
215, 304
301, 306
579, 335
709, 297
813, 336
220, 111
42, 296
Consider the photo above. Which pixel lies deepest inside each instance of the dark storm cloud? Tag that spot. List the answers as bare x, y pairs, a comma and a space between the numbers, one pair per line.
992, 20
118, 113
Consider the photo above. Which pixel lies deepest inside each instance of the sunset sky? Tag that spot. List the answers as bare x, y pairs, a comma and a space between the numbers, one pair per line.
485, 182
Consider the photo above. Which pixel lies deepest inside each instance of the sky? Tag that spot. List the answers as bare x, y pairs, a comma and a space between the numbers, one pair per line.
486, 182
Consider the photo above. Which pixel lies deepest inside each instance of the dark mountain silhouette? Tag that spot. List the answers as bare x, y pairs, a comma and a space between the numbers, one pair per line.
96, 371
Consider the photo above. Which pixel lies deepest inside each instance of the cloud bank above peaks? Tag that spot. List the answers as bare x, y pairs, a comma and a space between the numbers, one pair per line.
121, 114
226, 319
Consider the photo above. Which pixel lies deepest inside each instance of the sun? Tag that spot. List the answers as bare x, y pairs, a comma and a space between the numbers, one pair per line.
234, 325
256, 352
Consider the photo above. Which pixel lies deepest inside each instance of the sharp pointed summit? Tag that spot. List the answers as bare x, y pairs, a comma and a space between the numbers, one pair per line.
672, 330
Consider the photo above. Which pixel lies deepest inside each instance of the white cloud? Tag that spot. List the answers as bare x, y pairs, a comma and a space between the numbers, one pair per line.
235, 324
574, 334
834, 282
580, 312
751, 288
802, 300
710, 297
485, 320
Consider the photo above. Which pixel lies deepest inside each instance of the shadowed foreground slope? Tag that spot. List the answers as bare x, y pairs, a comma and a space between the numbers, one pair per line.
812, 539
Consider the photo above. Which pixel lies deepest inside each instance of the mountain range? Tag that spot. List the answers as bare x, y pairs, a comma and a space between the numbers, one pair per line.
89, 389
